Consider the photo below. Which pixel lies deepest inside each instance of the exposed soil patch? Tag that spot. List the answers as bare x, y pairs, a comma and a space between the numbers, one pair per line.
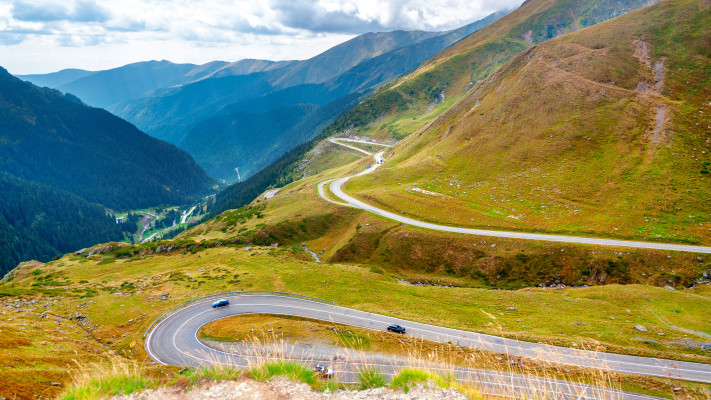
661, 116
659, 134
528, 37
659, 74
641, 52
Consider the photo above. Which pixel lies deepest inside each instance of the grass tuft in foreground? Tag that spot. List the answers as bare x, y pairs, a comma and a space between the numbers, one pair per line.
408, 377
290, 370
370, 378
100, 380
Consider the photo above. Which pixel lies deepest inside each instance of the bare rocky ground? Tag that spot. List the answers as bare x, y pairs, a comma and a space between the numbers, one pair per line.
283, 389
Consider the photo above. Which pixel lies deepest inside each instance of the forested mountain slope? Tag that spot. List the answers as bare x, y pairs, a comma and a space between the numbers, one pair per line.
56, 140
38, 222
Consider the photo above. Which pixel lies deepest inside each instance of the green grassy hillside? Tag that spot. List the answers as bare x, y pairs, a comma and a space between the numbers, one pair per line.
409, 103
341, 234
602, 132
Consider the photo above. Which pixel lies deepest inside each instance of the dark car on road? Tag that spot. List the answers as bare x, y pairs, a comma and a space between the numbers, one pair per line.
220, 303
396, 328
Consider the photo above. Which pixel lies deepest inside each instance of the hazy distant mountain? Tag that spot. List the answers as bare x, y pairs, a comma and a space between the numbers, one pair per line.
56, 79
104, 88
169, 114
54, 139
249, 66
218, 130
345, 56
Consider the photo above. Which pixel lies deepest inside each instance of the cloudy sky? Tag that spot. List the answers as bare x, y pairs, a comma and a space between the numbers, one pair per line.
39, 36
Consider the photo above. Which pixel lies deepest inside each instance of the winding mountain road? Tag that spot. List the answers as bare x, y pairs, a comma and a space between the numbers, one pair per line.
336, 186
174, 340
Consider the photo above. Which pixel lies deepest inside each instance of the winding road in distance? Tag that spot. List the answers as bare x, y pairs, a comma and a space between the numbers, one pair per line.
336, 187
174, 341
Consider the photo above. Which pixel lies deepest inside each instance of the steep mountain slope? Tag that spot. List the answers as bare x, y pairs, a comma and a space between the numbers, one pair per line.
38, 222
245, 138
253, 140
53, 139
398, 108
603, 132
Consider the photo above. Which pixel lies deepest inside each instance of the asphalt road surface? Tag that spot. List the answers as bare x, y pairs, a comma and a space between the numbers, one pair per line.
336, 187
174, 341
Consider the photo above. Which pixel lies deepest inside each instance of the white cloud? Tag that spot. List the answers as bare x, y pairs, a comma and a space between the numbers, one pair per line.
47, 35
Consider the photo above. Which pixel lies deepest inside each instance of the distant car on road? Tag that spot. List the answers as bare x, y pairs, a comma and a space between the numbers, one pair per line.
220, 303
396, 328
